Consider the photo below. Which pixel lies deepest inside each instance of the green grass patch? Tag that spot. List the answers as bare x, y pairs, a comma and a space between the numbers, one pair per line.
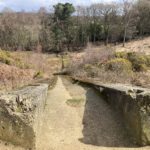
75, 102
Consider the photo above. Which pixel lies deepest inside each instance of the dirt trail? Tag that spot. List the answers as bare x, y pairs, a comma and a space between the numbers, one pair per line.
88, 127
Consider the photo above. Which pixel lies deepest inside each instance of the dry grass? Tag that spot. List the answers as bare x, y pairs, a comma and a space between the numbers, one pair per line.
12, 77
26, 68
75, 102
108, 66
141, 45
40, 62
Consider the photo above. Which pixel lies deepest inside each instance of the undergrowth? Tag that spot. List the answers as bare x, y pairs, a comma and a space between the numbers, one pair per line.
7, 58
109, 66
20, 68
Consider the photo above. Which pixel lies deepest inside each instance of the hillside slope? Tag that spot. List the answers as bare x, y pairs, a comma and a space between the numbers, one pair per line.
141, 45
21, 68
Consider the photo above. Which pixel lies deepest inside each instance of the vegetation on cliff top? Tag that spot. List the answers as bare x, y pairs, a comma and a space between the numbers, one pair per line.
109, 66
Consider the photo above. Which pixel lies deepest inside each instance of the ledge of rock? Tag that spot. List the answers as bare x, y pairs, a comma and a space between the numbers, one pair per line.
19, 114
132, 102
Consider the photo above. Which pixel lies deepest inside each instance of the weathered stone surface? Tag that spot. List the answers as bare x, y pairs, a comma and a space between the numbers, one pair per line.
133, 104
19, 113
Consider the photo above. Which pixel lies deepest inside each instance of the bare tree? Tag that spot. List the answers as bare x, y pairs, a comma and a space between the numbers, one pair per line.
106, 12
143, 14
127, 14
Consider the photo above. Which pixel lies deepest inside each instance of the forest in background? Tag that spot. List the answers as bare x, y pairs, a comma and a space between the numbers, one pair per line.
70, 28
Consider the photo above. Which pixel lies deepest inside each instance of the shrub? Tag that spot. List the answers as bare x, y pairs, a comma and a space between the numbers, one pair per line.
114, 77
18, 63
139, 62
5, 57
121, 55
119, 65
97, 56
141, 67
90, 70
148, 60
88, 67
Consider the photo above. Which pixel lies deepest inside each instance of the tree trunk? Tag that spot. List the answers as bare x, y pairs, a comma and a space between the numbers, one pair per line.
124, 36
94, 38
62, 61
106, 39
68, 46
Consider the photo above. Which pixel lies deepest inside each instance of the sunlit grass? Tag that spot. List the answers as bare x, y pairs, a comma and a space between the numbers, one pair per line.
75, 102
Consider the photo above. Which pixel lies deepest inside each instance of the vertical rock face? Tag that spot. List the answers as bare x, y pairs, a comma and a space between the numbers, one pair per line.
143, 100
19, 113
134, 105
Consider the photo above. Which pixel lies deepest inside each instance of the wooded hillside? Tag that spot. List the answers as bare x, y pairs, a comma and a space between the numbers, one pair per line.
67, 27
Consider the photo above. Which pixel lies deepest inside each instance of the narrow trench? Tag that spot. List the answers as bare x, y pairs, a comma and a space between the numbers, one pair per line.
90, 125
102, 126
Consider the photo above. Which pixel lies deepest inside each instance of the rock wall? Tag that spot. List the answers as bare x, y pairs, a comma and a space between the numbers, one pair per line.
135, 109
134, 105
19, 114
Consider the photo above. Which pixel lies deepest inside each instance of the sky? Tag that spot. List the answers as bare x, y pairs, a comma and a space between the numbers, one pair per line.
33, 5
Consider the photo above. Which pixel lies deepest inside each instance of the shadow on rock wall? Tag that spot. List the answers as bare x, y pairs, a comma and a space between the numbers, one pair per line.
102, 125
